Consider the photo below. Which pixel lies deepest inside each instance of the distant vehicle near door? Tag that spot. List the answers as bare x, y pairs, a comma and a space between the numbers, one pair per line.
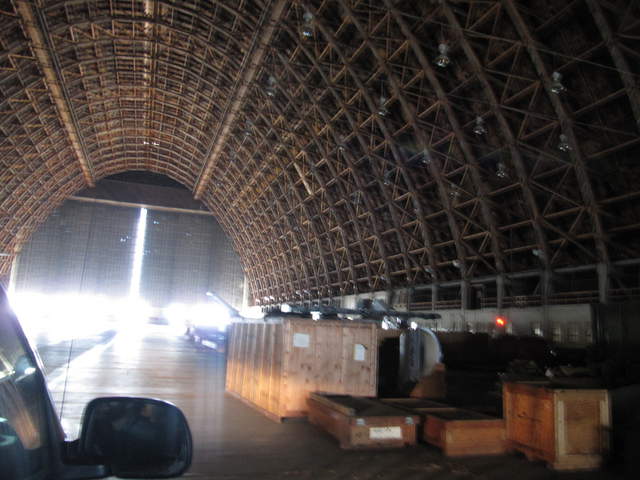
206, 322
211, 336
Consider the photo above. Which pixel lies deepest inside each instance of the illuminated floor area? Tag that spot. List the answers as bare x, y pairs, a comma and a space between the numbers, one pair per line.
231, 440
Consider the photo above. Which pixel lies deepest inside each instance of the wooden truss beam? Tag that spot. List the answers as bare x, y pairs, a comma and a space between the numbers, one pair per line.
36, 29
252, 61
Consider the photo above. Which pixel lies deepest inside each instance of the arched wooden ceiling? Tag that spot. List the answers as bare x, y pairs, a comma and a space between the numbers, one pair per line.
334, 151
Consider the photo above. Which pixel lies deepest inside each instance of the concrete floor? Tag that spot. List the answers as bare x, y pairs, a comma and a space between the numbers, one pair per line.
232, 441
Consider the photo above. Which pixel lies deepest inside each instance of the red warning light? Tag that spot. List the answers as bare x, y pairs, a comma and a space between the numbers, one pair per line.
500, 321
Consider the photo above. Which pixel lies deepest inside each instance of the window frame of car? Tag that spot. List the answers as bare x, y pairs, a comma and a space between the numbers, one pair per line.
57, 450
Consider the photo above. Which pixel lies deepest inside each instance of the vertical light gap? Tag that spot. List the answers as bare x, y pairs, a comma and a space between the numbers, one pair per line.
138, 254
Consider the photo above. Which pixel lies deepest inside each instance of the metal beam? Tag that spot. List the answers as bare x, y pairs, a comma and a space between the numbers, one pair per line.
36, 29
117, 203
250, 66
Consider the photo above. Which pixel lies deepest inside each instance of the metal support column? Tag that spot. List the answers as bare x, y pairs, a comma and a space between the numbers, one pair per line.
604, 281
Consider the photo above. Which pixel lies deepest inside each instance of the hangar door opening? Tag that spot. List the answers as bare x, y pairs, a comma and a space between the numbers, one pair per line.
98, 259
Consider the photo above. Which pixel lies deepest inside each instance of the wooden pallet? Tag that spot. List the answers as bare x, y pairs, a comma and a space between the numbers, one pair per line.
358, 422
465, 433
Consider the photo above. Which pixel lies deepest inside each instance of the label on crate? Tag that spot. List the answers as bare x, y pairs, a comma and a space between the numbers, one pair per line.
301, 340
385, 433
359, 352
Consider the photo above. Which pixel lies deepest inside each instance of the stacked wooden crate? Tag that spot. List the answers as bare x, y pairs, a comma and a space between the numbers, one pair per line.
362, 422
273, 365
567, 428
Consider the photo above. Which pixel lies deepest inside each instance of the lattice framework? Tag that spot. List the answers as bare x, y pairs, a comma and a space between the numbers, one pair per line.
334, 151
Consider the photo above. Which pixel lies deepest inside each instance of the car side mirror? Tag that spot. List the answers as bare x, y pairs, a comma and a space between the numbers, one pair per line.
136, 437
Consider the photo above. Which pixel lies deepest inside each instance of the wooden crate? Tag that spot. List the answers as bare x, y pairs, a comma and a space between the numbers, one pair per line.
273, 365
567, 428
418, 406
362, 422
461, 432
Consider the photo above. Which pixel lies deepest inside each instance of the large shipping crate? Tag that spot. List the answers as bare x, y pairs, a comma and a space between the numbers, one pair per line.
358, 422
567, 428
274, 364
461, 433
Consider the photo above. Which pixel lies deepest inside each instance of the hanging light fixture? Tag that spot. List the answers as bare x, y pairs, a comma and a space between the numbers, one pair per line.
387, 178
556, 83
383, 111
479, 128
342, 143
537, 253
425, 159
443, 59
501, 171
270, 89
306, 31
248, 129
456, 263
564, 145
454, 193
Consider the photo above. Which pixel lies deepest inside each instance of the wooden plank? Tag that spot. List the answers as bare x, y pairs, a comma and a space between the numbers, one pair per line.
299, 374
237, 370
265, 370
259, 368
255, 364
327, 362
358, 351
248, 360
530, 419
276, 369
242, 358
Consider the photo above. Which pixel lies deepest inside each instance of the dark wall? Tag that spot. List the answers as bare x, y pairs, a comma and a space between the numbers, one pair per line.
617, 328
186, 256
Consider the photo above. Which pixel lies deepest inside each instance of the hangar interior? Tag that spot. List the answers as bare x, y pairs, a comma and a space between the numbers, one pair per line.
468, 167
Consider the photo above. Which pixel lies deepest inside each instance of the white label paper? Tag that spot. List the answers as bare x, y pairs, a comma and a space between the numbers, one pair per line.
301, 340
359, 351
384, 433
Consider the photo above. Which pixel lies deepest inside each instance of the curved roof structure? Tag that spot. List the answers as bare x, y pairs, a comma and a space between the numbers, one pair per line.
345, 146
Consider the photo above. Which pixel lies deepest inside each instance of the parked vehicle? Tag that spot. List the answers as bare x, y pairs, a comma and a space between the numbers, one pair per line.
120, 436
